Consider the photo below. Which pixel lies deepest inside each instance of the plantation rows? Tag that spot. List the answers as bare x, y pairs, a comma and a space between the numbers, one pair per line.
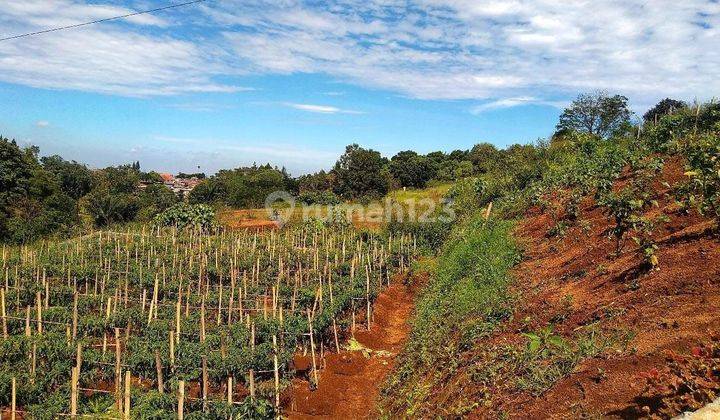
167, 323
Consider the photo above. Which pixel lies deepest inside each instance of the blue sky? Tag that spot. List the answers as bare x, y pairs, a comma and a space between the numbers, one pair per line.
227, 83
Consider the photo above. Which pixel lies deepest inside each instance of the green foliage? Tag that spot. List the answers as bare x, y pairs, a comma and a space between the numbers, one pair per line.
596, 114
430, 235
107, 207
317, 182
465, 299
154, 199
703, 169
360, 173
549, 357
74, 179
665, 107
242, 187
322, 197
410, 169
195, 216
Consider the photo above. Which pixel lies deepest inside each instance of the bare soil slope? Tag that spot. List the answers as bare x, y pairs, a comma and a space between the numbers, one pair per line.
574, 281
349, 381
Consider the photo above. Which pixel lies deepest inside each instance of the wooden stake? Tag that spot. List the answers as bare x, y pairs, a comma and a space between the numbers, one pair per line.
75, 317
73, 391
13, 405
172, 351
4, 315
204, 383
127, 395
159, 369
252, 371
367, 294
335, 333
312, 347
277, 374
230, 390
181, 400
118, 374
39, 312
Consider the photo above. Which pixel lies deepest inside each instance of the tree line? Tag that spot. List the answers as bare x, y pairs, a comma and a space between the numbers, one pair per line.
40, 196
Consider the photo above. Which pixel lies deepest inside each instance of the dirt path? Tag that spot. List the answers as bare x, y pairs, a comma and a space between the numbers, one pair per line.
349, 382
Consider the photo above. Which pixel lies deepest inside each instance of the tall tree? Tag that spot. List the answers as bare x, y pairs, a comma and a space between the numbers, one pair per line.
597, 114
410, 169
75, 179
360, 172
664, 107
484, 157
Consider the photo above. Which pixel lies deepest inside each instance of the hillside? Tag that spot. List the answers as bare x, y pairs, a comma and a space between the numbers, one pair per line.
609, 311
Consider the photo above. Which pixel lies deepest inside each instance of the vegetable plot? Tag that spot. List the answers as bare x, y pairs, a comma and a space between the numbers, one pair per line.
166, 323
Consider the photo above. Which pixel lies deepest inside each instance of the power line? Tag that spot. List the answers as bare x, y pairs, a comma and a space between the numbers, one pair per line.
77, 25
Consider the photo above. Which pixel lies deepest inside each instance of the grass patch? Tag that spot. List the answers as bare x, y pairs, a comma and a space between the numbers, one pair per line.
465, 299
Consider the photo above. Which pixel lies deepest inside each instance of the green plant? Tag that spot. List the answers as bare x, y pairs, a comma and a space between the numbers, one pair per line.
196, 216
558, 230
703, 169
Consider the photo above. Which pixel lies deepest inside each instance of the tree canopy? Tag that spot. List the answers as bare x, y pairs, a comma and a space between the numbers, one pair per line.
360, 173
664, 107
598, 114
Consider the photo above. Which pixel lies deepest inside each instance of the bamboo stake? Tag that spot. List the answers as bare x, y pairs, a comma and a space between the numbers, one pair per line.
335, 333
367, 294
159, 369
75, 317
312, 347
181, 399
252, 371
73, 391
204, 383
126, 415
118, 400
13, 405
39, 312
4, 315
277, 374
230, 390
172, 350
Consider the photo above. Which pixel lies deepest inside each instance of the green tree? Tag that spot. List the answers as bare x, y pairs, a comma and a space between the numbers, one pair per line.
319, 181
154, 199
484, 157
207, 192
664, 107
14, 172
74, 179
360, 172
410, 169
107, 207
597, 114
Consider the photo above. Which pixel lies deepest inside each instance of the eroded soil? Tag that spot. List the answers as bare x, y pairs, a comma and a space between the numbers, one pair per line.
349, 382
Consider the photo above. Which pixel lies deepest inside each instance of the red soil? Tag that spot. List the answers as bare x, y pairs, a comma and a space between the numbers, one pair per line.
575, 280
349, 382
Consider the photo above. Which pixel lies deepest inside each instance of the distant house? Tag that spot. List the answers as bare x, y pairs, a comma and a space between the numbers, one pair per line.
180, 186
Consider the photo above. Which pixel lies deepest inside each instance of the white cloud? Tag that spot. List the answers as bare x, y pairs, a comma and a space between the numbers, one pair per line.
320, 109
114, 58
513, 102
428, 49
465, 49
42, 124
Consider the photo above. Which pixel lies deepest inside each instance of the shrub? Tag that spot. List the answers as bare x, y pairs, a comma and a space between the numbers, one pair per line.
184, 215
318, 197
703, 168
